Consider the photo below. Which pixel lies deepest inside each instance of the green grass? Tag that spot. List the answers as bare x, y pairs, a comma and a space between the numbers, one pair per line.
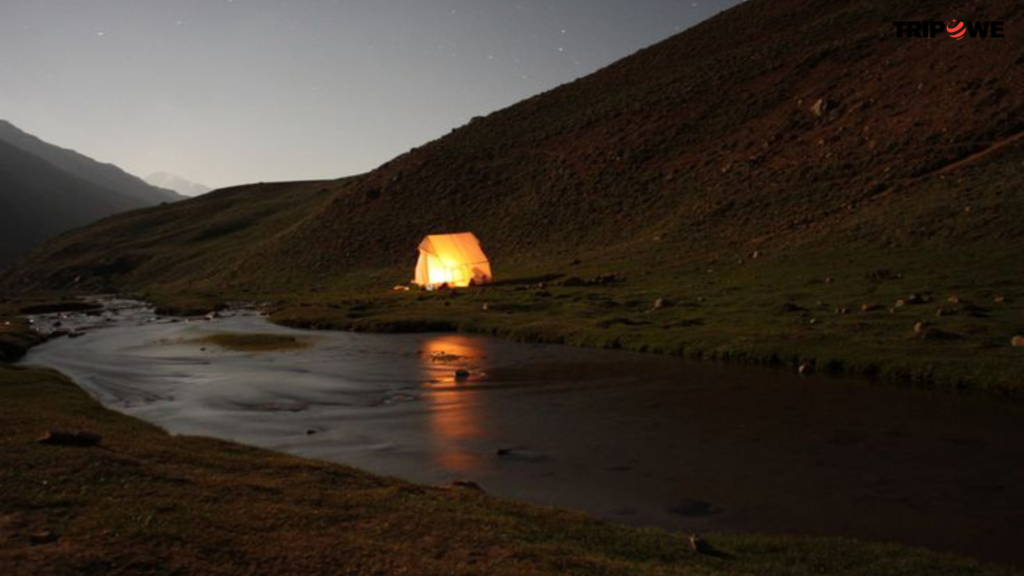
147, 502
825, 313
16, 335
254, 342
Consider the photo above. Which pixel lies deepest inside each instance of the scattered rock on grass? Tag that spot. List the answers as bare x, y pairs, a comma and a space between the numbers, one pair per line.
701, 546
698, 544
819, 107
468, 485
43, 537
925, 331
82, 438
976, 311
605, 279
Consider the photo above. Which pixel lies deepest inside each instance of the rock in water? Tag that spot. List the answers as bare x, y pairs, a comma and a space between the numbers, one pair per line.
520, 454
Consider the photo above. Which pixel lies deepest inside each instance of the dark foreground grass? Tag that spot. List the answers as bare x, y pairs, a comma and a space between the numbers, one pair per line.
147, 502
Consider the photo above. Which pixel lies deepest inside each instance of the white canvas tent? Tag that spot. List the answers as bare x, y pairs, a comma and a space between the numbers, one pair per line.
455, 260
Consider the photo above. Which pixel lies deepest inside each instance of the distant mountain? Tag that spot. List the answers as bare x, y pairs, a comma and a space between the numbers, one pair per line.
46, 190
174, 182
108, 176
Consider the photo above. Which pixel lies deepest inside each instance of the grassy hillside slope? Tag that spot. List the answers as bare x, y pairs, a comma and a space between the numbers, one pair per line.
804, 186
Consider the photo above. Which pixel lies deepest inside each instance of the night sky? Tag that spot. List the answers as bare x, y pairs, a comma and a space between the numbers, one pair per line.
234, 91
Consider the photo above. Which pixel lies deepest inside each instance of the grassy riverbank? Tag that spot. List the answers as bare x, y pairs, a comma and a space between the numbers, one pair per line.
945, 323
146, 502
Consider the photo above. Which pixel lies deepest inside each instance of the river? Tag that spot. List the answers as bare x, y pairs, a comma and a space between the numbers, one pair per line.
630, 438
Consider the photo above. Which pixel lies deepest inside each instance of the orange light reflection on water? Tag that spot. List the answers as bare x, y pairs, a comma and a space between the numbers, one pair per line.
453, 405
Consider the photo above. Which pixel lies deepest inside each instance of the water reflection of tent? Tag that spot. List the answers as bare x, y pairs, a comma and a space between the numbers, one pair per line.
455, 260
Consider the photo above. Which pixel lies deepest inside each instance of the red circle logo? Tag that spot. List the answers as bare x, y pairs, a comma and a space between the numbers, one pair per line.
956, 30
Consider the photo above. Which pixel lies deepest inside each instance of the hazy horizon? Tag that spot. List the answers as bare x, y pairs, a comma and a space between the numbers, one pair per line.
238, 91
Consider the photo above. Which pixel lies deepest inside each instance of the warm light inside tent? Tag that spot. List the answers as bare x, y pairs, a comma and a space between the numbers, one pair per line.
453, 260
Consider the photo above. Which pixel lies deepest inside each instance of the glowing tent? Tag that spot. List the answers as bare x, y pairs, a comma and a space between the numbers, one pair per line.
453, 259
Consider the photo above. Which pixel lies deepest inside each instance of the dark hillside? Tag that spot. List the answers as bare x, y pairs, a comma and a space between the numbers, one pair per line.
734, 136
765, 128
